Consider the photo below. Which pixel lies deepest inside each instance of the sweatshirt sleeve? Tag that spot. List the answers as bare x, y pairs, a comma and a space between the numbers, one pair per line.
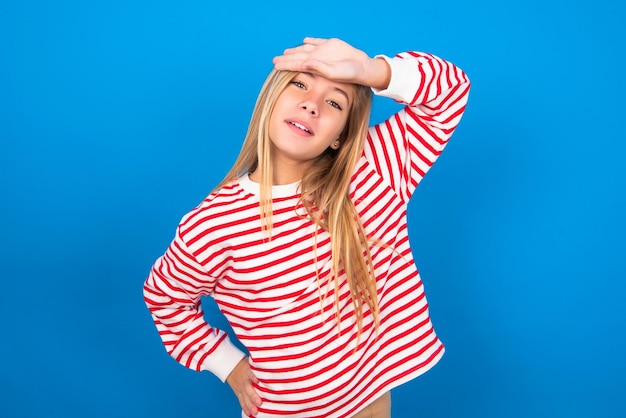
405, 146
172, 294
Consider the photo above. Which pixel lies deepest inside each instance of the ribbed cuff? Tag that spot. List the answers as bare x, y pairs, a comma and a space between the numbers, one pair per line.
405, 79
223, 359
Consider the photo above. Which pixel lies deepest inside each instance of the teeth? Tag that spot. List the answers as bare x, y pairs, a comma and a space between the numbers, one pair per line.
297, 125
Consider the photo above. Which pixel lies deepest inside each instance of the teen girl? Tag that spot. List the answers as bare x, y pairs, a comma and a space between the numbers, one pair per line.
304, 245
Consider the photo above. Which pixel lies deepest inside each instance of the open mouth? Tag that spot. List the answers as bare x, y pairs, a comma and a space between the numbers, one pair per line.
301, 127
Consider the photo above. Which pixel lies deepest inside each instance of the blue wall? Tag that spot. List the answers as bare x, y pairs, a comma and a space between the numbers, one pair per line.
116, 117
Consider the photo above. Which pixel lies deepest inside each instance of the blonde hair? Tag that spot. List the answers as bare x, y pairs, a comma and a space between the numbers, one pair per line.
324, 189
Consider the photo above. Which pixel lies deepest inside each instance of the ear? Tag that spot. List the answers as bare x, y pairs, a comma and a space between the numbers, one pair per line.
335, 145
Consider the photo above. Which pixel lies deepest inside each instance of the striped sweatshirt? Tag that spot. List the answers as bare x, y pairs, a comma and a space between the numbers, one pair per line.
276, 293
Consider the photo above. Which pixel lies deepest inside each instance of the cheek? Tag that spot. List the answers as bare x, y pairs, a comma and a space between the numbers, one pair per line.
340, 125
275, 116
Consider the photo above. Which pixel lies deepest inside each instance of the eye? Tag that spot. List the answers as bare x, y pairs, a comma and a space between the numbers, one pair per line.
298, 84
334, 104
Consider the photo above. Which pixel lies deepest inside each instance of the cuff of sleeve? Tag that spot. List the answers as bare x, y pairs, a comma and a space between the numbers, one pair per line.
405, 79
223, 359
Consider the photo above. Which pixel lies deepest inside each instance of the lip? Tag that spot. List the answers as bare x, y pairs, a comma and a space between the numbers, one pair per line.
291, 123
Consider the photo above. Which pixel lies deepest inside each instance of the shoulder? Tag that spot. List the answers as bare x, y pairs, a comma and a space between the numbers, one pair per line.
218, 209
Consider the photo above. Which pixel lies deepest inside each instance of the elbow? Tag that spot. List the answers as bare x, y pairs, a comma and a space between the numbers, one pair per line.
150, 293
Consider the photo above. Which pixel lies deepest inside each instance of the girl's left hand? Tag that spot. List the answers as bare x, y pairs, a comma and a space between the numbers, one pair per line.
336, 60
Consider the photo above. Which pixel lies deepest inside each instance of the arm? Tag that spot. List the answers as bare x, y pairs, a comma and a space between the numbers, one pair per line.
435, 93
172, 294
405, 146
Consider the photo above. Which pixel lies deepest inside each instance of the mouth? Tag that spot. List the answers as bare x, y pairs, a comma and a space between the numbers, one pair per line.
300, 127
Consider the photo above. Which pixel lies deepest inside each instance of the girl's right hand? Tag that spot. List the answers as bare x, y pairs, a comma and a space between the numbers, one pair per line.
335, 60
241, 381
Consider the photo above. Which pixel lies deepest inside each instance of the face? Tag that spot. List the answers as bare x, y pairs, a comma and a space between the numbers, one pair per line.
308, 117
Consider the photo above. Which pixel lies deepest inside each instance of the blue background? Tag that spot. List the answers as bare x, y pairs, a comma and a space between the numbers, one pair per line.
117, 117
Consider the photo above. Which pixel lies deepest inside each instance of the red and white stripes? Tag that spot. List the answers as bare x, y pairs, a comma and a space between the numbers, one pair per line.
278, 299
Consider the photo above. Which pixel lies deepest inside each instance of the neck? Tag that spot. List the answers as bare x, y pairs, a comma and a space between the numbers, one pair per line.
283, 173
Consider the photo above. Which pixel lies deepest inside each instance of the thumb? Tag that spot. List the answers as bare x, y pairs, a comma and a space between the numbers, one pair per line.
317, 67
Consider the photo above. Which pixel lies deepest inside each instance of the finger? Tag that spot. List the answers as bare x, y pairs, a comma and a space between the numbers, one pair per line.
254, 400
314, 66
252, 394
314, 41
298, 49
288, 63
289, 60
318, 67
292, 56
251, 410
250, 403
252, 376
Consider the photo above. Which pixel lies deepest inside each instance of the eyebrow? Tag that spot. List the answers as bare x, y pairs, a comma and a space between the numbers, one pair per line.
337, 89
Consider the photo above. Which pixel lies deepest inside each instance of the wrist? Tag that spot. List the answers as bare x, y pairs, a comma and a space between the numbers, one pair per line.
378, 73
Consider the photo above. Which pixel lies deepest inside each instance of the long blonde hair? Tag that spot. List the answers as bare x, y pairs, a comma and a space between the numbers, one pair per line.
324, 189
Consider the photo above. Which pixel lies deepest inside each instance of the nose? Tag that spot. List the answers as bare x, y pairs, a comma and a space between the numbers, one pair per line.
310, 106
